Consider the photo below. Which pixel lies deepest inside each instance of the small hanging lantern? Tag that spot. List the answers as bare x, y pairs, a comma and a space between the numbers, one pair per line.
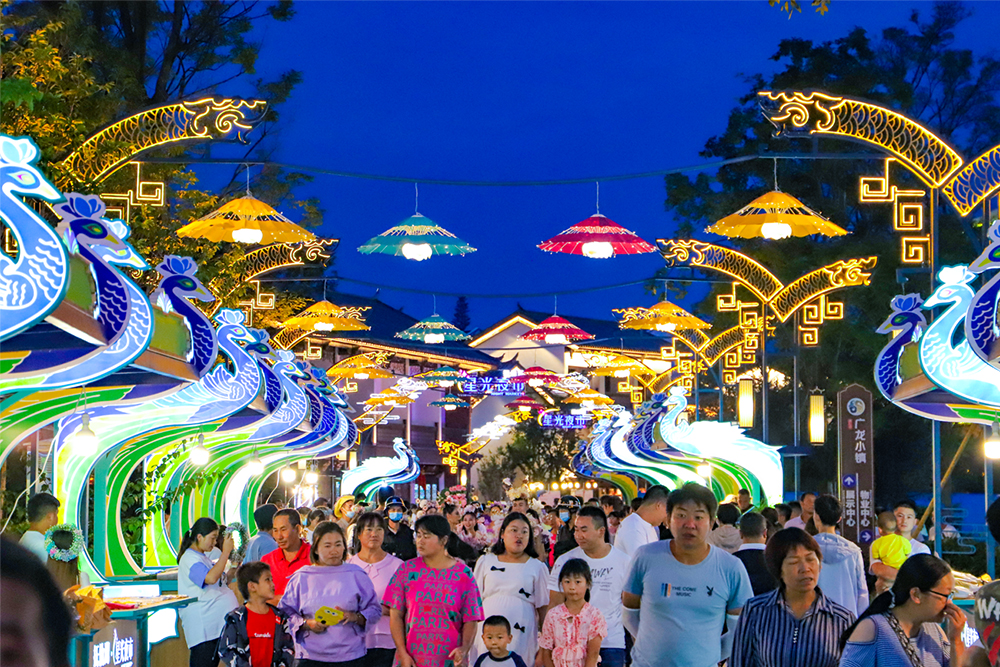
556, 331
416, 238
449, 403
433, 330
445, 376
597, 237
775, 215
325, 316
524, 404
664, 316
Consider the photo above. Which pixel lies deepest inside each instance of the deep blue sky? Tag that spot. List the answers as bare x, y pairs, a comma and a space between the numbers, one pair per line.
524, 90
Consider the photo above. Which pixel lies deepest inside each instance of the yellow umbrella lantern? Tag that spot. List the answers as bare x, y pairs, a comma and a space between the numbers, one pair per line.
246, 220
664, 316
775, 215
621, 366
325, 316
588, 397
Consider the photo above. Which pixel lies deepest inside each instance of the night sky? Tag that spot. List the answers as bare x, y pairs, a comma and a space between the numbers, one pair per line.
526, 91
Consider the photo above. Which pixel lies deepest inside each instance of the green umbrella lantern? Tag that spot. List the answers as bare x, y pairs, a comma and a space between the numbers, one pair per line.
435, 329
416, 238
449, 403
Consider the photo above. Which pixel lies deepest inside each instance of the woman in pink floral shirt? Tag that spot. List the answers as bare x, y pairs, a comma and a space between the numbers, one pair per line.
572, 634
433, 601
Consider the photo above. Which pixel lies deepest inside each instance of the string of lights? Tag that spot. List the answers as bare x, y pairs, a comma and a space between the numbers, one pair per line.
532, 295
520, 183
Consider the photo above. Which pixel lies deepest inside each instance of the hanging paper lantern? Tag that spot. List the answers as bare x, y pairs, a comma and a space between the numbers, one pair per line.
524, 404
246, 220
588, 398
597, 237
443, 377
416, 238
621, 366
434, 330
449, 403
325, 316
556, 331
664, 316
775, 215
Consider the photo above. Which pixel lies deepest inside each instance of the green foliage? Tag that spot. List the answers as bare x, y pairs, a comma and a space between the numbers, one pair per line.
139, 506
913, 68
792, 6
461, 317
541, 454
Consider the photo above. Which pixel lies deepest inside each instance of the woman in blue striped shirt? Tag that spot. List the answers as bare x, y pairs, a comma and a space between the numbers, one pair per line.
902, 627
795, 625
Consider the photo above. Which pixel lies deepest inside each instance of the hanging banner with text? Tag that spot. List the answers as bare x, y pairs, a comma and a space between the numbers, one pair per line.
856, 465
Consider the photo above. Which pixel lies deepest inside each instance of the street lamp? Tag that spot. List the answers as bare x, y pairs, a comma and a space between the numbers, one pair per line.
817, 419
991, 446
744, 403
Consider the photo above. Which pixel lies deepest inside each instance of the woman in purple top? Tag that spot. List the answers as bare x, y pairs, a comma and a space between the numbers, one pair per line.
434, 602
330, 582
379, 566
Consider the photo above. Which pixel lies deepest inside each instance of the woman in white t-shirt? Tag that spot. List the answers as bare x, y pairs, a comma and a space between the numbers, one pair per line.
198, 577
513, 583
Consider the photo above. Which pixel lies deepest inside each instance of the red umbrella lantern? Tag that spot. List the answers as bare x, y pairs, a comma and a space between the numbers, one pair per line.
597, 237
556, 331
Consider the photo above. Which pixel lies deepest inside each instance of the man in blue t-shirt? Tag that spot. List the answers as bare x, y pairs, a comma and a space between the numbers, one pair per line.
679, 591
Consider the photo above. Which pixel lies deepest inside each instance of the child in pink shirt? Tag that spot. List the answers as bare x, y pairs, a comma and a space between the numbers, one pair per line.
572, 633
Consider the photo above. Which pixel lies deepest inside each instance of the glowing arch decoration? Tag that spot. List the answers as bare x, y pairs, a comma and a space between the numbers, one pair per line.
378, 471
796, 113
929, 157
216, 119
976, 181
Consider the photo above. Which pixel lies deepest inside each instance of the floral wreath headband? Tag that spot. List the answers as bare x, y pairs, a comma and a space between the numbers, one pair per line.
64, 555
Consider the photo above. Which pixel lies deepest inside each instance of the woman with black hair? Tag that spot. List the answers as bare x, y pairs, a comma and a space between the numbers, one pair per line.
514, 584
796, 625
199, 578
379, 566
901, 627
433, 601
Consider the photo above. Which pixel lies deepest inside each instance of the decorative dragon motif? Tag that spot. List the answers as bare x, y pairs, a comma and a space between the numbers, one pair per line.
796, 113
217, 119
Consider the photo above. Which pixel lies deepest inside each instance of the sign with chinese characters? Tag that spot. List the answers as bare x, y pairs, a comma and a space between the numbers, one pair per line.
494, 386
115, 646
454, 455
856, 465
564, 421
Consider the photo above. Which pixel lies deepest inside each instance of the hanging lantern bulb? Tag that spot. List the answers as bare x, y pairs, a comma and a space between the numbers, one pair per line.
992, 445
312, 477
361, 376
255, 467
287, 475
84, 441
556, 339
248, 235
199, 454
598, 250
418, 252
434, 338
704, 470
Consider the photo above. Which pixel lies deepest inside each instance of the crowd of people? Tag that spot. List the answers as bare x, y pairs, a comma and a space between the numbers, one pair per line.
672, 580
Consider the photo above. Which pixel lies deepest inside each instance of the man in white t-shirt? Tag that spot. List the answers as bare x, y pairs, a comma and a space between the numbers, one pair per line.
807, 500
643, 525
608, 569
905, 512
43, 513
